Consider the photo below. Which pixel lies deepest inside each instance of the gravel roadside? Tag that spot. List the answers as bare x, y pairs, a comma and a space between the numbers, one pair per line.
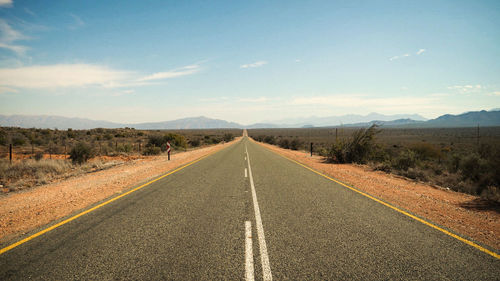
462, 213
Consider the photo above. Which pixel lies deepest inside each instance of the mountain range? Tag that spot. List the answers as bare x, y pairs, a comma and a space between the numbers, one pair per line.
468, 119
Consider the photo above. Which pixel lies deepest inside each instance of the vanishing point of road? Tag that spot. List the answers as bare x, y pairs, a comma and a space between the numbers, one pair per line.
245, 213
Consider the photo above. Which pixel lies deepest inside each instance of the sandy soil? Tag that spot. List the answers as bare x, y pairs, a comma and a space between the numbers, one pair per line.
462, 213
23, 211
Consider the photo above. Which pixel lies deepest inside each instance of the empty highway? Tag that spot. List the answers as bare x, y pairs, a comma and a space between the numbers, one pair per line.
245, 213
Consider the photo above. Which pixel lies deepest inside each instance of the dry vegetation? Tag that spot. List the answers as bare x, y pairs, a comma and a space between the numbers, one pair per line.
462, 159
41, 156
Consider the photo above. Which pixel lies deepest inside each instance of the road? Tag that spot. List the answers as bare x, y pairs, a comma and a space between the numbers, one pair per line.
245, 213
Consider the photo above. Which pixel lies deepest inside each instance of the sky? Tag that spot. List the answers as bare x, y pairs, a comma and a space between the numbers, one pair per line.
247, 61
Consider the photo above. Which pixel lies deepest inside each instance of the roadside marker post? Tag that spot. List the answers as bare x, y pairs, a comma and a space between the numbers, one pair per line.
311, 149
168, 150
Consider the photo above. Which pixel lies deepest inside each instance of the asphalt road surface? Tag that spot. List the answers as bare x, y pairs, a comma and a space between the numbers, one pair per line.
236, 215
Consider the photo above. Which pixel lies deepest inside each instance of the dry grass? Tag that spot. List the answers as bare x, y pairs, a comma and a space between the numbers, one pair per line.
28, 173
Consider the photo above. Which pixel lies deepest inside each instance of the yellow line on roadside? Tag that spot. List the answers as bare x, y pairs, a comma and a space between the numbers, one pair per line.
12, 246
468, 242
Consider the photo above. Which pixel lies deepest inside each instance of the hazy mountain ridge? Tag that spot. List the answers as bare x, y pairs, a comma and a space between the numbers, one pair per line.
200, 122
344, 119
468, 119
51, 121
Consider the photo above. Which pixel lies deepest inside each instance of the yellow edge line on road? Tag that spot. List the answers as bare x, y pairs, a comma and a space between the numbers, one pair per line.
12, 246
468, 242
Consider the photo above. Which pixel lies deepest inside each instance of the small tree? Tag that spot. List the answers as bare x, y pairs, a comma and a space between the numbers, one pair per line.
228, 137
80, 153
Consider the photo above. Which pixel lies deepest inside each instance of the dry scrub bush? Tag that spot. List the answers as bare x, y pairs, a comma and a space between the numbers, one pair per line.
23, 172
356, 149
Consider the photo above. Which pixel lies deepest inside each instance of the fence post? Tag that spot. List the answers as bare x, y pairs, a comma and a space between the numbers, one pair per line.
311, 149
10, 153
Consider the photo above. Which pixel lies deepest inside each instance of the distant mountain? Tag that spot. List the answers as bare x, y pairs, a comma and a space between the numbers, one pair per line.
63, 123
263, 125
343, 119
51, 122
188, 123
394, 123
470, 119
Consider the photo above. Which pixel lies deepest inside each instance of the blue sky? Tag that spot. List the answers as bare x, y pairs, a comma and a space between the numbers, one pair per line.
247, 61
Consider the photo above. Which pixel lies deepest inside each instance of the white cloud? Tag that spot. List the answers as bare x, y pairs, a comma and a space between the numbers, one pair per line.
497, 93
81, 75
8, 36
261, 99
7, 90
29, 12
466, 88
421, 51
215, 99
122, 93
399, 57
6, 3
298, 60
59, 75
255, 64
186, 70
78, 22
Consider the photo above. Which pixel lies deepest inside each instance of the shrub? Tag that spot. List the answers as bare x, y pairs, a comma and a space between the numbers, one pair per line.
425, 151
295, 144
156, 140
39, 156
3, 138
405, 160
18, 141
195, 142
491, 193
127, 147
454, 163
357, 149
80, 153
228, 137
151, 150
472, 166
284, 143
269, 139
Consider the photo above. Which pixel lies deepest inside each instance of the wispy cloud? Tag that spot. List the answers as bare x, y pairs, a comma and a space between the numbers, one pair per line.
7, 90
255, 64
256, 100
466, 88
59, 75
399, 57
298, 60
81, 75
419, 52
123, 93
30, 12
8, 37
497, 93
5, 3
186, 70
215, 99
77, 22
